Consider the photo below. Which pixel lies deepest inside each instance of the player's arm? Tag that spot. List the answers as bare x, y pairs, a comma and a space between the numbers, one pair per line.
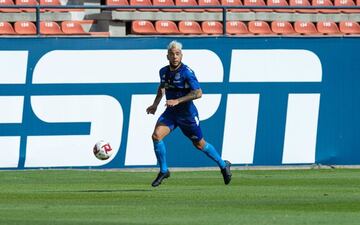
160, 93
192, 95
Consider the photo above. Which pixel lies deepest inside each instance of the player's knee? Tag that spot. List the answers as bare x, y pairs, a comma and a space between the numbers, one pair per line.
198, 145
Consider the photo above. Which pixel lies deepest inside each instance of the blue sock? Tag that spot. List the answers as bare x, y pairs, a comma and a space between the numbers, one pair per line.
160, 152
211, 152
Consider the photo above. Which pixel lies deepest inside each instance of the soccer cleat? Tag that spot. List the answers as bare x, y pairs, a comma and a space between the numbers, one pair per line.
226, 172
160, 177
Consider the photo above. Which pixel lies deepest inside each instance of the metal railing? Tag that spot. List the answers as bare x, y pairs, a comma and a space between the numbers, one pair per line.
224, 9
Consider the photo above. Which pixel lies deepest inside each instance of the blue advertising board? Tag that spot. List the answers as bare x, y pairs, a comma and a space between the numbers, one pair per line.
266, 100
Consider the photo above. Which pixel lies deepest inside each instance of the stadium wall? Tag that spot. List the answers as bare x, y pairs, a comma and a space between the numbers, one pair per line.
267, 100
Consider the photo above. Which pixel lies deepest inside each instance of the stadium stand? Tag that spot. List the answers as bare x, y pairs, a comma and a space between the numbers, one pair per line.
56, 3
234, 3
119, 3
346, 3
6, 28
143, 3
76, 28
256, 3
302, 3
280, 3
27, 3
324, 3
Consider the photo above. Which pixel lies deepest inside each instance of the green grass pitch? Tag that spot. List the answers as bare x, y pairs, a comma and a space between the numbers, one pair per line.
254, 197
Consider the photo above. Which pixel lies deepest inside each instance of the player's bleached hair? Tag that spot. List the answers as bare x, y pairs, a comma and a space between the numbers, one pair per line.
175, 44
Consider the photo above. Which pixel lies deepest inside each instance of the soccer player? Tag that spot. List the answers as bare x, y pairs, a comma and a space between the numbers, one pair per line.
180, 86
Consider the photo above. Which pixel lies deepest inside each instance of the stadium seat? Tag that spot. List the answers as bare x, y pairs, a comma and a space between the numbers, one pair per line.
73, 28
302, 3
234, 3
259, 27
306, 28
6, 28
119, 3
190, 27
143, 3
8, 2
282, 28
212, 27
188, 3
56, 3
166, 3
25, 28
236, 28
27, 3
256, 3
166, 27
142, 27
50, 28
280, 3
327, 27
349, 27
340, 3
210, 3
323, 3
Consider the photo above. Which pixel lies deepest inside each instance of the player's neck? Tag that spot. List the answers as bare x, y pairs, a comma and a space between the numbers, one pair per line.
172, 68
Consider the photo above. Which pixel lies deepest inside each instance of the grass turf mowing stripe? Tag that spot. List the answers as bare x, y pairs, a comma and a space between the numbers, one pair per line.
61, 197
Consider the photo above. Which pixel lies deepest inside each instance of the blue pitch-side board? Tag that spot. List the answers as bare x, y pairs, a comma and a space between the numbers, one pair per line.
281, 116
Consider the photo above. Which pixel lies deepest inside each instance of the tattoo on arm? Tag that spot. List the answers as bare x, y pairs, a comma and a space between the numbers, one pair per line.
194, 94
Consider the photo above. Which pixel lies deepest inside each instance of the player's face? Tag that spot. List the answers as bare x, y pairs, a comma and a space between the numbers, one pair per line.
174, 56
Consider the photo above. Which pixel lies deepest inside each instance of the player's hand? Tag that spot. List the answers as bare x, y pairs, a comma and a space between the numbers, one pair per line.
151, 109
171, 102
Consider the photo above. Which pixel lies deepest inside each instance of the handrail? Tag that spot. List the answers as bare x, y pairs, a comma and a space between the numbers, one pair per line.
224, 9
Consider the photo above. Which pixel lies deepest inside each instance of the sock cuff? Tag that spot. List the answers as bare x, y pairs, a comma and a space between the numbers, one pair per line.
158, 143
206, 146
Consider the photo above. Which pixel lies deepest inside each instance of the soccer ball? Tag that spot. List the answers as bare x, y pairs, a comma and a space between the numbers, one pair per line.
102, 150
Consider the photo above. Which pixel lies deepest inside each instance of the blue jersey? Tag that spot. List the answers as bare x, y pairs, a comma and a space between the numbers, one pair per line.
177, 84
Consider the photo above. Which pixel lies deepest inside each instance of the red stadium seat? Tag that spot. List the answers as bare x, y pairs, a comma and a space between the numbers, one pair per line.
302, 3
279, 3
210, 3
234, 3
27, 3
166, 3
236, 28
346, 3
212, 27
283, 28
76, 28
166, 27
143, 3
259, 27
55, 3
119, 3
349, 27
188, 3
25, 28
190, 27
73, 28
306, 28
327, 27
142, 27
50, 28
8, 2
6, 28
322, 3
256, 3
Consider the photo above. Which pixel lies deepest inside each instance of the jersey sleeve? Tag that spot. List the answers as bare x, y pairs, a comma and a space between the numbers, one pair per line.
191, 79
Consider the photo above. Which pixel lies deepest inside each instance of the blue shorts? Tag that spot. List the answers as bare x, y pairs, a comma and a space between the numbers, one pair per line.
189, 124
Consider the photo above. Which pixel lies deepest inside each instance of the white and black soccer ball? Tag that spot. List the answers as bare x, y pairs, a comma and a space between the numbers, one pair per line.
102, 150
